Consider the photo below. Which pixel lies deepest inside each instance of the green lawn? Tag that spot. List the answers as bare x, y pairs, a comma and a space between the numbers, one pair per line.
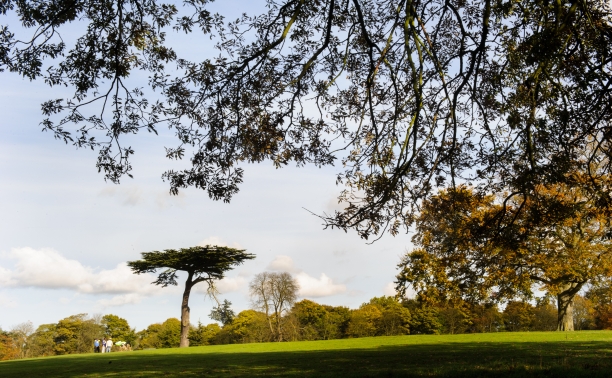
529, 354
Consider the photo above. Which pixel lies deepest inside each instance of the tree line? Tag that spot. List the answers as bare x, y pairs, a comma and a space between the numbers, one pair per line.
71, 335
307, 320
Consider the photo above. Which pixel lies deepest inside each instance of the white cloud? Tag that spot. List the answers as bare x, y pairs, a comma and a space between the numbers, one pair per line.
283, 264
120, 300
321, 287
309, 286
229, 284
46, 268
6, 278
224, 286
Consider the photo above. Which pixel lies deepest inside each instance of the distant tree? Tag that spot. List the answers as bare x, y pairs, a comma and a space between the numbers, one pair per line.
203, 334
584, 313
9, 350
455, 317
364, 321
545, 315
41, 341
223, 313
118, 329
485, 318
169, 335
149, 337
75, 334
21, 333
274, 294
425, 319
395, 318
518, 316
249, 326
202, 264
160, 335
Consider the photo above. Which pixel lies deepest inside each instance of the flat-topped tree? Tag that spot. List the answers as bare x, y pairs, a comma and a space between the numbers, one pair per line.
202, 264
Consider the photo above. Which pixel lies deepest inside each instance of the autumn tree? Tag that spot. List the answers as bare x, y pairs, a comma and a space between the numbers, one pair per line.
518, 316
557, 240
21, 333
411, 96
584, 313
274, 294
201, 264
9, 350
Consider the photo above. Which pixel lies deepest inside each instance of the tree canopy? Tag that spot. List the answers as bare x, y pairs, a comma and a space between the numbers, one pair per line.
202, 264
558, 242
409, 96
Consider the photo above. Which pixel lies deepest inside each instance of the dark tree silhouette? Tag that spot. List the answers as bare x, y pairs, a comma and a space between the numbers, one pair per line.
202, 264
411, 96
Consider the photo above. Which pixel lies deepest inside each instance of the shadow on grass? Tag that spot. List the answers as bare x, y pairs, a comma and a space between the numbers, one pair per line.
482, 359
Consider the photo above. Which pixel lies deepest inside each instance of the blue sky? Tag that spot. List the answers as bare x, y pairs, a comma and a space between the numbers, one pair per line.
65, 233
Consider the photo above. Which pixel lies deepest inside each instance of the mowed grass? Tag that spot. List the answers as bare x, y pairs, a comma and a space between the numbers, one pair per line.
528, 354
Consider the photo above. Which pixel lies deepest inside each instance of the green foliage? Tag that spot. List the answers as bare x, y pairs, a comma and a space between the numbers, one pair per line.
208, 263
424, 319
223, 313
170, 334
364, 321
456, 318
395, 318
247, 327
118, 329
320, 322
160, 335
41, 341
205, 263
203, 334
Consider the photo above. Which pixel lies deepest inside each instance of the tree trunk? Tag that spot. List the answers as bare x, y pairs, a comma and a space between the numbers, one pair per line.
565, 306
185, 312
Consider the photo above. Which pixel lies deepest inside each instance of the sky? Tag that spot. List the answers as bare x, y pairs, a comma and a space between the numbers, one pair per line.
66, 234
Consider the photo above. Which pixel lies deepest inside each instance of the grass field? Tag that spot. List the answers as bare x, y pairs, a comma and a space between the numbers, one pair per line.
529, 354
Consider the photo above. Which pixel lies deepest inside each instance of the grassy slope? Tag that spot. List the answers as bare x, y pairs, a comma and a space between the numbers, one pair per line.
535, 354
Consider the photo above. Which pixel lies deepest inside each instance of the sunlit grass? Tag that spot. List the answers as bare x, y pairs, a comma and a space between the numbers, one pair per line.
526, 354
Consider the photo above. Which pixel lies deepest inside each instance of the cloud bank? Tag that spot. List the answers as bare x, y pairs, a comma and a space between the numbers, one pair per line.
311, 287
48, 269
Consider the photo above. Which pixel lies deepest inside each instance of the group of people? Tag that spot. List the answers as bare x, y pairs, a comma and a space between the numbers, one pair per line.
103, 346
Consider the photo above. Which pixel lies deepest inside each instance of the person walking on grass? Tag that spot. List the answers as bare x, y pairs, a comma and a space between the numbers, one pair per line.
104, 345
96, 345
109, 345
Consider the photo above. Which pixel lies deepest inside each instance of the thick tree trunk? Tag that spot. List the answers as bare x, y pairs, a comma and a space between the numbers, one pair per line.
185, 312
565, 307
